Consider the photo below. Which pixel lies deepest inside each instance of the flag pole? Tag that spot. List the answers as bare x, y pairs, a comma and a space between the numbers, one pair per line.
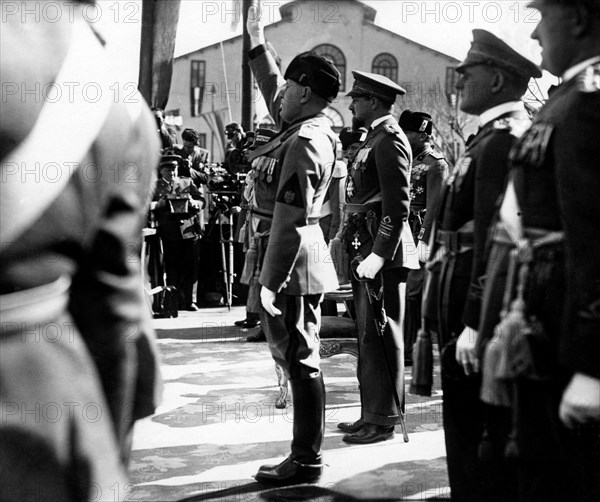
246, 74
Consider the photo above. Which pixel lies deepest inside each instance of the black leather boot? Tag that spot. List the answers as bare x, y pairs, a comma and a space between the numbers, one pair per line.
304, 465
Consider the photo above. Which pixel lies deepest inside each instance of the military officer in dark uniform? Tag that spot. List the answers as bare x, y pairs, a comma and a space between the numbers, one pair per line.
295, 270
493, 79
376, 231
429, 170
77, 357
547, 242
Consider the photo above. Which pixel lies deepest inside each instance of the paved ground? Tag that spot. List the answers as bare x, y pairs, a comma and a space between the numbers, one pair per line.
218, 424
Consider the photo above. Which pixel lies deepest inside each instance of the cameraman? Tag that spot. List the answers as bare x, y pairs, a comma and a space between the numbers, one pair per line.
195, 159
236, 160
176, 204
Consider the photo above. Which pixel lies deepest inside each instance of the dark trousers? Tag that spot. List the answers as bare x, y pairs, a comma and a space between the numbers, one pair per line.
412, 319
377, 385
464, 416
463, 412
181, 263
293, 339
293, 336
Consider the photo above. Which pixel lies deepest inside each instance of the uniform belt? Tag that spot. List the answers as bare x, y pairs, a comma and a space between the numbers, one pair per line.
263, 214
534, 238
313, 220
357, 208
35, 305
455, 241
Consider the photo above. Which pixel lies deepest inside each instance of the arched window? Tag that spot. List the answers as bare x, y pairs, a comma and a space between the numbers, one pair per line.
336, 119
387, 65
337, 56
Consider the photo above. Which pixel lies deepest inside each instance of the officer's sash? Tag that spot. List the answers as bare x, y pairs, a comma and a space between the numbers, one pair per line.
62, 135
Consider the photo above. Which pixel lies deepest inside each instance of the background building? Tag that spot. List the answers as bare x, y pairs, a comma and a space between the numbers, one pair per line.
207, 83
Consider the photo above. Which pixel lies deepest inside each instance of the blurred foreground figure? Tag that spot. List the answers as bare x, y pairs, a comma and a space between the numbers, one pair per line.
542, 354
77, 360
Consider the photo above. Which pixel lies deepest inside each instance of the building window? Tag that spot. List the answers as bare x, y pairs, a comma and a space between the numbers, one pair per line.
336, 119
387, 65
197, 81
337, 56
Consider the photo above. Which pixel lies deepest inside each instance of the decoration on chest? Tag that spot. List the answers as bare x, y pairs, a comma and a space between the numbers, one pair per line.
360, 161
263, 168
589, 80
349, 187
531, 149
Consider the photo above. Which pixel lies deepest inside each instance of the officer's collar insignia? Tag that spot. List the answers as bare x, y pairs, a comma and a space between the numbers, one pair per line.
589, 79
307, 131
363, 136
515, 125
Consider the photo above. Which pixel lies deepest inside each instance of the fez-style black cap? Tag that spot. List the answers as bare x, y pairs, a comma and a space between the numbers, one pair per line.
416, 122
487, 48
349, 136
372, 84
316, 72
262, 137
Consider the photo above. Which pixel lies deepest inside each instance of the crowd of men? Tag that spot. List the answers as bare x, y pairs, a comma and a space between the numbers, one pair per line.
498, 255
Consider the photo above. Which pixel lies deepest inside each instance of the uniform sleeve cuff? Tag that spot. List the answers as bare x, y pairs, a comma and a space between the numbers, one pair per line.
257, 51
472, 312
581, 351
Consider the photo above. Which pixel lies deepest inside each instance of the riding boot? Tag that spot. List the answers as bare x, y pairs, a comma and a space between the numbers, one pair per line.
304, 465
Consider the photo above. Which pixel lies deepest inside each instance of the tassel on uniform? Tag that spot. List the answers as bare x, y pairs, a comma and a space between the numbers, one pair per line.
497, 373
250, 263
422, 369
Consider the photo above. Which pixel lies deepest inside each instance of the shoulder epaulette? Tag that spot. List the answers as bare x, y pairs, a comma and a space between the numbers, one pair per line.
588, 80
307, 131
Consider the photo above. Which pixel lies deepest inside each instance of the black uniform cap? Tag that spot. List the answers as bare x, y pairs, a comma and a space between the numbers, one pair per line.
316, 72
349, 136
373, 84
416, 122
487, 48
262, 137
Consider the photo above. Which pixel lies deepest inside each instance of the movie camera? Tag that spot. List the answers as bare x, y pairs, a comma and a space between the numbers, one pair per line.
225, 188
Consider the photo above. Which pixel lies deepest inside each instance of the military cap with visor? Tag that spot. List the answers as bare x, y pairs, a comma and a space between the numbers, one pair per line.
416, 122
488, 49
374, 85
314, 71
